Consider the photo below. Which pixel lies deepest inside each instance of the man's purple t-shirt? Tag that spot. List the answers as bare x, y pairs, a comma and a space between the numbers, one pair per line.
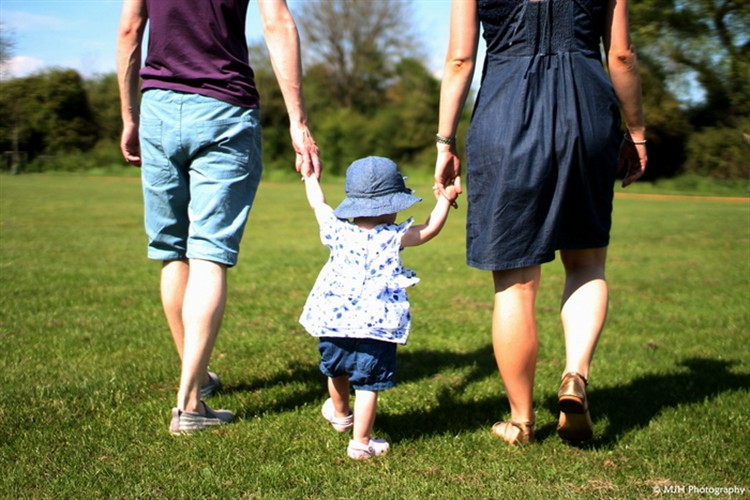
199, 47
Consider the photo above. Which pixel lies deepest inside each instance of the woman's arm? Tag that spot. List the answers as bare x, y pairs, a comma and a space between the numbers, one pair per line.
457, 76
626, 80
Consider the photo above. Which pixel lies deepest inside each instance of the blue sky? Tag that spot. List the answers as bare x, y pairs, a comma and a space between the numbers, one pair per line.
81, 34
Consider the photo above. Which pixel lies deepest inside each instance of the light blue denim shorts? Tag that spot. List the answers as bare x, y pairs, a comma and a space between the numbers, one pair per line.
201, 169
370, 364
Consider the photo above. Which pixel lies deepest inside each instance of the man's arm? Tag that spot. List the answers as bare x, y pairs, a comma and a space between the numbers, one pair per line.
282, 40
129, 41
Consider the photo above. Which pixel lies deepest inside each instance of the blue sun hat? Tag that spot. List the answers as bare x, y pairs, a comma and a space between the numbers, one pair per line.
374, 187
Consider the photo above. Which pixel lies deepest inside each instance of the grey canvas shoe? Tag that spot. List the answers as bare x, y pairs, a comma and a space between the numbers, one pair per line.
211, 387
184, 422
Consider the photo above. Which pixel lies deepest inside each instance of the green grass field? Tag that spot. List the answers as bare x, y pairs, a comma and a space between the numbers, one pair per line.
89, 373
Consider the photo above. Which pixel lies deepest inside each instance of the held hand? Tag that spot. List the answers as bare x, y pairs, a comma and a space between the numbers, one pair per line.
129, 145
448, 173
307, 161
632, 161
449, 192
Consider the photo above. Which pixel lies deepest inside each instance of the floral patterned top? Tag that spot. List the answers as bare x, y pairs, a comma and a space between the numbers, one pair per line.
360, 292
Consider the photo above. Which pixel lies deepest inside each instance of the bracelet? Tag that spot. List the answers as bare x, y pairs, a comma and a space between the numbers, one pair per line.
445, 140
631, 141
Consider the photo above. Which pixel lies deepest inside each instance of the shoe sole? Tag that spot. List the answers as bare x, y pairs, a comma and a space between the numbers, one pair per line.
578, 425
182, 433
184, 423
197, 428
571, 404
577, 428
372, 452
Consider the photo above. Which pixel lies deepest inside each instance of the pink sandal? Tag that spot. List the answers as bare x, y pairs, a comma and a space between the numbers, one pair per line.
341, 424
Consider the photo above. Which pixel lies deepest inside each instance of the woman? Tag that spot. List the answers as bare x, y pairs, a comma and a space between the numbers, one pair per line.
543, 151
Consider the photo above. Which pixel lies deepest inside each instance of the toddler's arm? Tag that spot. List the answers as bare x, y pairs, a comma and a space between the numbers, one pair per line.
422, 233
315, 197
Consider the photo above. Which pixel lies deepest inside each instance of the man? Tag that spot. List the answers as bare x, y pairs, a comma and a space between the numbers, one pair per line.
196, 135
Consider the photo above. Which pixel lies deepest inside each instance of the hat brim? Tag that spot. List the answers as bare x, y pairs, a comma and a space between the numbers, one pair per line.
374, 207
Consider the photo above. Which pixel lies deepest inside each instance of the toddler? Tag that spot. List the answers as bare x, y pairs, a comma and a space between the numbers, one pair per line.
358, 307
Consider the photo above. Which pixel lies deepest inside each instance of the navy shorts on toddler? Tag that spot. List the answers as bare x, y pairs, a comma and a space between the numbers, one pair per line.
369, 364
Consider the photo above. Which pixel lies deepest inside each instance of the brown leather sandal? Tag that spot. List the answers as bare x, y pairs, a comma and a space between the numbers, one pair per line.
575, 420
514, 432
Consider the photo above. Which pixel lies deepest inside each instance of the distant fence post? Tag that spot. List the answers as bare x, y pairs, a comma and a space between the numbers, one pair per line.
15, 161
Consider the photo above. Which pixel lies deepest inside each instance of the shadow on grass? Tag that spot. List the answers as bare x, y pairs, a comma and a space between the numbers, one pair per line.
625, 407
634, 405
310, 385
452, 414
306, 385
421, 364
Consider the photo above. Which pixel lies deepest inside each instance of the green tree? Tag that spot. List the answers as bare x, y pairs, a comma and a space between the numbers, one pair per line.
276, 142
46, 114
401, 126
700, 51
104, 99
721, 153
356, 46
65, 115
669, 127
6, 47
344, 135
16, 129
405, 124
701, 41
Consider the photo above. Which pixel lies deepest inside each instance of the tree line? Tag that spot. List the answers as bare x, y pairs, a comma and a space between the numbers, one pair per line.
368, 92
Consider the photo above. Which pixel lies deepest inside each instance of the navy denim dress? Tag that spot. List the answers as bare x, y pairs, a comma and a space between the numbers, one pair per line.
543, 142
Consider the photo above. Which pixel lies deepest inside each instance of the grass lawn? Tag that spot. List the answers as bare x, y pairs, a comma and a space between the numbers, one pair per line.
89, 372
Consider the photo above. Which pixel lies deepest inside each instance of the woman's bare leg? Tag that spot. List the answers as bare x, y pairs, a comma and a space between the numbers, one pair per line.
514, 336
584, 306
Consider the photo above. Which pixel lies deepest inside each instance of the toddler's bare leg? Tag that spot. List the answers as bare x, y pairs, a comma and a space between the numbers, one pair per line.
338, 388
365, 408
